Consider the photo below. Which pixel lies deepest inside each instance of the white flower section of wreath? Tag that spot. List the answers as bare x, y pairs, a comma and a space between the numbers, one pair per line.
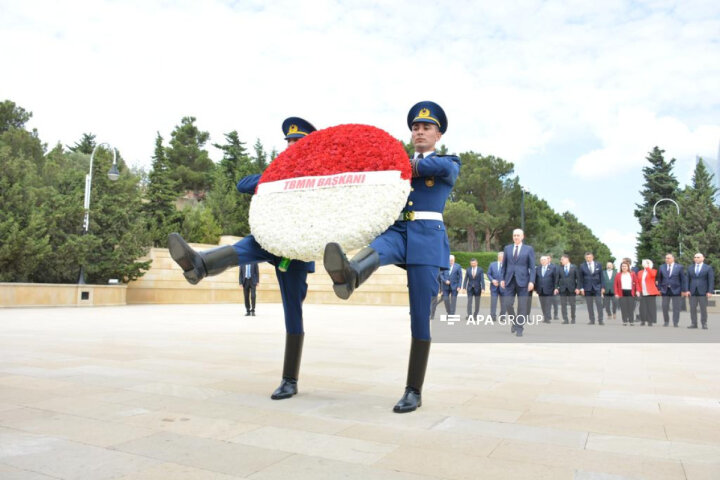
298, 224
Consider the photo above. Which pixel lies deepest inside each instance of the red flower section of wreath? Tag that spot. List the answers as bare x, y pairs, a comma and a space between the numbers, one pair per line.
344, 148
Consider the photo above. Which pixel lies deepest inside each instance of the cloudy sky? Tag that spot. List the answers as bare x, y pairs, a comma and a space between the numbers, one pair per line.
574, 93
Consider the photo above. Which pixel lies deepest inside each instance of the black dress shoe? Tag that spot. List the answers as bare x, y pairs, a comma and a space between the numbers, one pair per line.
565, 322
666, 324
519, 333
591, 323
705, 327
252, 313
410, 401
601, 322
247, 314
692, 326
512, 328
287, 388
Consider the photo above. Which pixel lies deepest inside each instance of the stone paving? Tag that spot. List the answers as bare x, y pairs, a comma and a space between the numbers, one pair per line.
182, 392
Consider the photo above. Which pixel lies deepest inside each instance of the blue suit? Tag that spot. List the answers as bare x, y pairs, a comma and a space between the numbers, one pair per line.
421, 246
495, 273
699, 285
671, 284
519, 272
545, 288
293, 282
592, 284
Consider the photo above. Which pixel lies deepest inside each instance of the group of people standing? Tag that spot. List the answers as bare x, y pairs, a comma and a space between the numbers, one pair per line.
606, 290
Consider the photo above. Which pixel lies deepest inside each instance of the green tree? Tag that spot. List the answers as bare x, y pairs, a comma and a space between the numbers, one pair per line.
199, 225
484, 182
161, 213
24, 239
698, 225
12, 116
260, 158
229, 207
188, 162
660, 182
85, 145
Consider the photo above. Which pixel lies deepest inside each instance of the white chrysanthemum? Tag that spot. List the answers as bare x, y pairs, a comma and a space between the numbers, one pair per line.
296, 218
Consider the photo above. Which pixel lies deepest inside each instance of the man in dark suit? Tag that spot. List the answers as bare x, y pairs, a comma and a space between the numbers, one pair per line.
701, 284
555, 298
519, 279
567, 287
672, 282
451, 282
474, 284
545, 281
610, 302
591, 287
495, 276
249, 279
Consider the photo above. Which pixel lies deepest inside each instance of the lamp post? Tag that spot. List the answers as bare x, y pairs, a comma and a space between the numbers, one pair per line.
655, 221
113, 174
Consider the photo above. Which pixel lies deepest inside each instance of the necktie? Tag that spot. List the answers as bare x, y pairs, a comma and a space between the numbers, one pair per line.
670, 271
590, 267
543, 271
515, 255
247, 271
499, 267
421, 156
697, 269
473, 271
567, 269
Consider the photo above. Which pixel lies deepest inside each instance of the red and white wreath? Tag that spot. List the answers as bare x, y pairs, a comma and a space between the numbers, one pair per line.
344, 184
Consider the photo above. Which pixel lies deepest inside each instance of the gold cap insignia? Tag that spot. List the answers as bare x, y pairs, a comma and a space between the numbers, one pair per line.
424, 113
292, 129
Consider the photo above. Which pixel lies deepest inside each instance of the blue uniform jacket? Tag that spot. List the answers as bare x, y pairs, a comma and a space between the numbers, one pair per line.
522, 269
432, 181
672, 284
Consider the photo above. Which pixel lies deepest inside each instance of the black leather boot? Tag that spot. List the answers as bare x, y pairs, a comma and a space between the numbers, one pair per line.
291, 367
346, 274
198, 265
412, 398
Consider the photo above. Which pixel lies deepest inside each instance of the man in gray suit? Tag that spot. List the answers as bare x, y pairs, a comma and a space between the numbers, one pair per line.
567, 287
701, 282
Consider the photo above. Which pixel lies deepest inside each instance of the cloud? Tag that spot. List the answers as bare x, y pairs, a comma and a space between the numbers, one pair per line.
633, 133
621, 244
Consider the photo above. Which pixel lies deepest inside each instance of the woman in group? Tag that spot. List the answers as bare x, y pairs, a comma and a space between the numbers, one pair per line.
648, 293
625, 291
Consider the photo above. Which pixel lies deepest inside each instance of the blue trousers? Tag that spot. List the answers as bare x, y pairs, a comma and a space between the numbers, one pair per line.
423, 285
293, 283
511, 291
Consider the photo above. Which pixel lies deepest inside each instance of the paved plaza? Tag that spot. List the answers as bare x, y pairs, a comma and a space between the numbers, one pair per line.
183, 392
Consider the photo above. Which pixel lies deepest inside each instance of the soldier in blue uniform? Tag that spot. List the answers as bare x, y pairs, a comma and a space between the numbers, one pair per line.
293, 285
417, 241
